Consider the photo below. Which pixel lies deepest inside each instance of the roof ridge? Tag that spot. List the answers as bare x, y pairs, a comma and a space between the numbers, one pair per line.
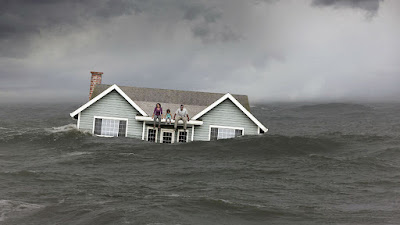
147, 94
165, 89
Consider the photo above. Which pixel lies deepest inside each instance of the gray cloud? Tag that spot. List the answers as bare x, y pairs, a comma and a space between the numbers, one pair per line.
271, 50
21, 20
370, 6
196, 10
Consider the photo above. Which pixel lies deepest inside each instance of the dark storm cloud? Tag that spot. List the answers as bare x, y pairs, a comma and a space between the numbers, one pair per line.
196, 10
20, 20
204, 19
268, 49
207, 34
371, 6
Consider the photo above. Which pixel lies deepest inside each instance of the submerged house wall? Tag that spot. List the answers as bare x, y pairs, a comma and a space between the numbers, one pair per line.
112, 105
225, 114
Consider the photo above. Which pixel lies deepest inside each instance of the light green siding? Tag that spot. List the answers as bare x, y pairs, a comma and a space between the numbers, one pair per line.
225, 114
112, 105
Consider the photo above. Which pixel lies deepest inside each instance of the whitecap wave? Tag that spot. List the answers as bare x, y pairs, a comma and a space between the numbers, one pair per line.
64, 128
9, 208
131, 153
78, 153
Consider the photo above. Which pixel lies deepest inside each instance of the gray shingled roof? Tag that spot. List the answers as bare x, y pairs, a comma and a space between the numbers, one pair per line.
146, 98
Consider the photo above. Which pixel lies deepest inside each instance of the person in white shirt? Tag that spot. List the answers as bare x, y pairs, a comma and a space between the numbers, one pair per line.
183, 115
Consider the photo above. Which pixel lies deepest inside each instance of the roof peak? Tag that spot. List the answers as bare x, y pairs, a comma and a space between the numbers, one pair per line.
171, 96
165, 89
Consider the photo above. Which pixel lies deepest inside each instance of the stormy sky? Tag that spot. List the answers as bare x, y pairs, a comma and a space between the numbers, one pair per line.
272, 50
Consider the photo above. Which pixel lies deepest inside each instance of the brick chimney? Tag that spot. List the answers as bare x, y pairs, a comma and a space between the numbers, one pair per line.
96, 79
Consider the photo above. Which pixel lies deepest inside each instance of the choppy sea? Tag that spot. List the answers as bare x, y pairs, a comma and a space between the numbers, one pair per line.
333, 163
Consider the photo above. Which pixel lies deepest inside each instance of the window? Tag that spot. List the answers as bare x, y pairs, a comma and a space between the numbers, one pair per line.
217, 133
97, 126
238, 133
122, 128
214, 134
167, 136
224, 133
110, 127
151, 135
182, 136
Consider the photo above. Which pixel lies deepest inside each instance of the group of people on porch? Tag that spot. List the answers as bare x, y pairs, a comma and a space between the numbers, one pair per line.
180, 114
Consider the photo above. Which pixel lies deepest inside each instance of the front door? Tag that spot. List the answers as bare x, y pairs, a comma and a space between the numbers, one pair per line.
167, 136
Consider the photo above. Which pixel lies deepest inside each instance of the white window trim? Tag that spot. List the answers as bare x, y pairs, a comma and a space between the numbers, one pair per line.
167, 130
109, 118
226, 127
147, 134
187, 135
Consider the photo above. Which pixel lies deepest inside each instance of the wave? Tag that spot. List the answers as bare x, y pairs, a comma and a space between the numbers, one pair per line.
22, 173
211, 201
9, 209
219, 202
79, 143
335, 106
78, 154
42, 135
65, 128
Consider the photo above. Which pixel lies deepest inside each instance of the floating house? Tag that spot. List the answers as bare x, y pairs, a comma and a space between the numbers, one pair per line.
120, 111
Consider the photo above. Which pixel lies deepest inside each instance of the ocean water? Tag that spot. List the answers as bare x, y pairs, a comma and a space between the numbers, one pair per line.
318, 164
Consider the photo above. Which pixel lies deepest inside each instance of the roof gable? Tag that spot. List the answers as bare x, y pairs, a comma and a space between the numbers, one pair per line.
104, 93
237, 103
172, 97
199, 101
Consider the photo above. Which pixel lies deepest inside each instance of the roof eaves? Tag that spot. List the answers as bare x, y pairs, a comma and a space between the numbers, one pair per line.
237, 103
104, 93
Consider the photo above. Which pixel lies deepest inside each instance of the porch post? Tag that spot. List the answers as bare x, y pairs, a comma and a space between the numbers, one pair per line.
144, 128
192, 132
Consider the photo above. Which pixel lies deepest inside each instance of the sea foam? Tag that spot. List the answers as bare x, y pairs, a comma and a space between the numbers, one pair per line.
9, 208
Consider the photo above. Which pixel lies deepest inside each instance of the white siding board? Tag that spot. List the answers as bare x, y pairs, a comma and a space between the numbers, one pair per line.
225, 114
112, 105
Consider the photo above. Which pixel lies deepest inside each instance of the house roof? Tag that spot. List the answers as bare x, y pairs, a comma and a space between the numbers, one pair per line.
194, 101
